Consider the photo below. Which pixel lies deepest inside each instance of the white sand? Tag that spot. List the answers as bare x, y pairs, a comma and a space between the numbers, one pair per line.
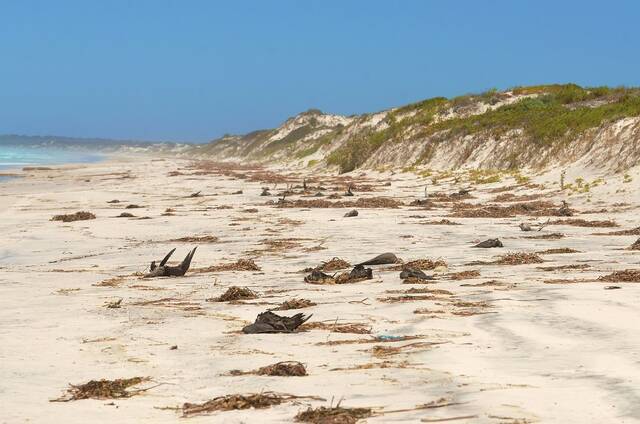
556, 353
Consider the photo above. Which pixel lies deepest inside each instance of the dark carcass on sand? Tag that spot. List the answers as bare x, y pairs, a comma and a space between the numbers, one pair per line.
268, 322
164, 270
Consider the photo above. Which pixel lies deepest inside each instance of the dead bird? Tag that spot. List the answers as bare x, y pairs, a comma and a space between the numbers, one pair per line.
349, 192
164, 270
351, 213
384, 259
414, 273
317, 276
490, 243
268, 322
525, 227
565, 210
359, 271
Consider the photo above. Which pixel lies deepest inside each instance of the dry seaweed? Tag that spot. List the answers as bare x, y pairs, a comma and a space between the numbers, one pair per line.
195, 239
563, 267
578, 222
422, 264
234, 402
110, 282
635, 245
78, 216
464, 275
239, 265
334, 265
331, 415
550, 236
557, 251
631, 232
441, 222
625, 276
102, 389
351, 328
370, 202
280, 369
294, 304
518, 258
235, 293
537, 208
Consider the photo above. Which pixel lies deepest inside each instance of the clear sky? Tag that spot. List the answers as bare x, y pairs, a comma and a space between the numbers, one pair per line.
194, 70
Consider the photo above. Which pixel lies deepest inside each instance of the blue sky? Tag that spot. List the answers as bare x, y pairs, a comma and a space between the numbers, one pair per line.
194, 70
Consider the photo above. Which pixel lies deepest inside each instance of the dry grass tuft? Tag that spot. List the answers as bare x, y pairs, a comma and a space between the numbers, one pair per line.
295, 304
337, 415
235, 293
625, 276
78, 216
102, 389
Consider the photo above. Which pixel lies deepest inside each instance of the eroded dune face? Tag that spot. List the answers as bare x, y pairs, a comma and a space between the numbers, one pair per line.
439, 330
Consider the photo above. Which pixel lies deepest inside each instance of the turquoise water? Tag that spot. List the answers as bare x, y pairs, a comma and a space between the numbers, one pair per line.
20, 156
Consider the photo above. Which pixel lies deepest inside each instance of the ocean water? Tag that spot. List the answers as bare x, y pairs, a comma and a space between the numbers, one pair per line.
20, 156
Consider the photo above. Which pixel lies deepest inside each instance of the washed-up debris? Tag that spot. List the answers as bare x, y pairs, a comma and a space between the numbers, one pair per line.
635, 245
334, 264
383, 259
268, 322
409, 272
126, 215
116, 304
550, 236
565, 210
103, 389
295, 304
625, 276
612, 287
631, 232
280, 369
164, 270
487, 244
557, 251
331, 415
578, 222
518, 258
234, 293
525, 227
441, 222
239, 265
196, 194
423, 264
78, 216
318, 277
358, 273
133, 206
265, 192
351, 213
464, 275
362, 203
537, 208
563, 267
114, 201
195, 239
234, 402
350, 328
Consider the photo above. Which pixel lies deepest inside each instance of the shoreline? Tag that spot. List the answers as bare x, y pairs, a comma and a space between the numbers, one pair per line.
501, 345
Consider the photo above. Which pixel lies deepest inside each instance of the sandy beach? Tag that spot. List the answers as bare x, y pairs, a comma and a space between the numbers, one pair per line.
553, 340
